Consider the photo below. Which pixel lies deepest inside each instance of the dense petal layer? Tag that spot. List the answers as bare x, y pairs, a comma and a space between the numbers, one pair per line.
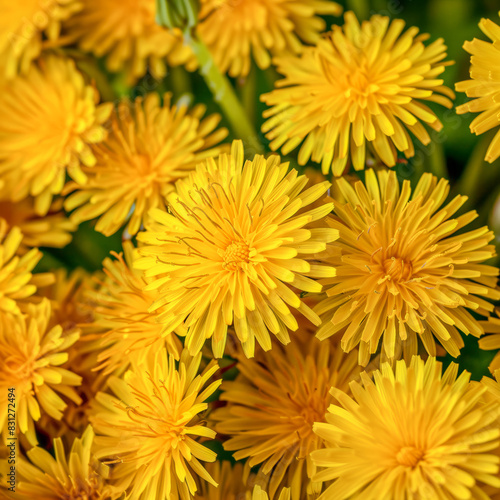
362, 86
402, 273
231, 246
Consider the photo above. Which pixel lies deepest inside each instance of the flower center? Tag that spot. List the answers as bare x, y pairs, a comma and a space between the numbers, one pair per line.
358, 86
310, 415
143, 167
309, 408
410, 456
398, 269
236, 253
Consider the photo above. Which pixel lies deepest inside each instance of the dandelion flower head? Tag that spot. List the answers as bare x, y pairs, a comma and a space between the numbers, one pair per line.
31, 355
43, 138
149, 147
236, 31
123, 327
125, 32
411, 432
151, 423
273, 403
403, 275
484, 85
361, 87
229, 248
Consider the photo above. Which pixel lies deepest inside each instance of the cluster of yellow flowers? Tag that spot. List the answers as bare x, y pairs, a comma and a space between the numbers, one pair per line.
326, 302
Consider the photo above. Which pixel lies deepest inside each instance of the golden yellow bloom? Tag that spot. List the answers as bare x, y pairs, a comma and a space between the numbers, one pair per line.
76, 475
150, 146
125, 329
126, 33
484, 85
31, 355
401, 274
361, 86
51, 230
230, 248
273, 403
150, 427
17, 283
49, 119
410, 433
237, 30
26, 27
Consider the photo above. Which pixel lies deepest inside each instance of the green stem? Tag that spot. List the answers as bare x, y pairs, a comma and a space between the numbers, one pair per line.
120, 86
180, 81
437, 161
224, 94
247, 91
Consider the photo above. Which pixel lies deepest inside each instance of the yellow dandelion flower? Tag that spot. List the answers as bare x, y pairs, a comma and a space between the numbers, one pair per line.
149, 147
17, 283
51, 230
236, 31
26, 27
31, 355
273, 403
71, 476
126, 34
150, 428
484, 85
361, 86
125, 328
230, 248
410, 433
43, 138
402, 274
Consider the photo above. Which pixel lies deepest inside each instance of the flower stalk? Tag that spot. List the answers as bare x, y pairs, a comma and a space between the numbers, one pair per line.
183, 14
